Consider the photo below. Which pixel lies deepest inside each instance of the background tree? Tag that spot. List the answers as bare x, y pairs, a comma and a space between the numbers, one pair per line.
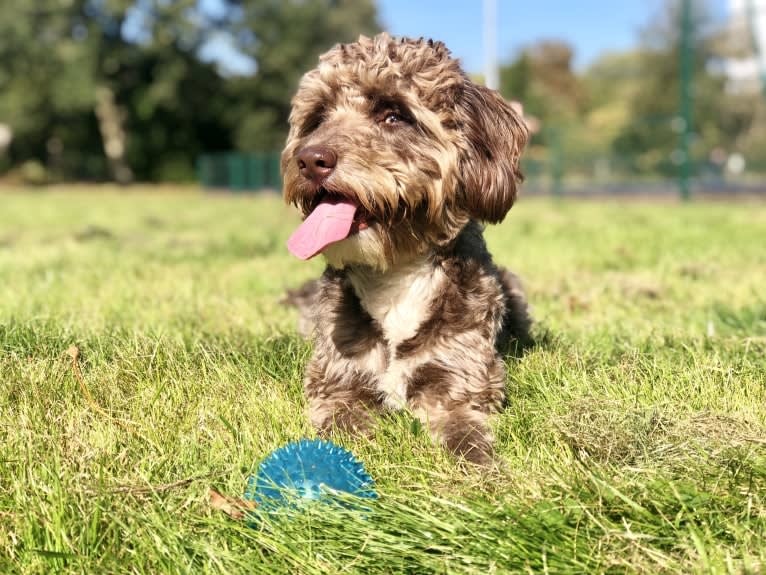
91, 100
543, 79
125, 89
285, 38
116, 89
621, 112
651, 137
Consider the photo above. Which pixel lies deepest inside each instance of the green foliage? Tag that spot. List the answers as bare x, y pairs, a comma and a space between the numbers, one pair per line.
542, 78
622, 112
55, 57
652, 135
285, 38
634, 440
614, 119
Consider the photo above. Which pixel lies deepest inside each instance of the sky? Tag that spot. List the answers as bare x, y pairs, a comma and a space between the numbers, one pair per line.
591, 27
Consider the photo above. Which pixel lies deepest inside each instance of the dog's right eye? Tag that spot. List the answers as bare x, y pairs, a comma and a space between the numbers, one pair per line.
392, 118
390, 113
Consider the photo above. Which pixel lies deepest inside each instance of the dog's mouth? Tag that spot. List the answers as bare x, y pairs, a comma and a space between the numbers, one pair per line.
333, 218
362, 218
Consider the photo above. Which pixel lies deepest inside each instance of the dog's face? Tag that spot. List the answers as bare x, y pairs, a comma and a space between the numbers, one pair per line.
396, 128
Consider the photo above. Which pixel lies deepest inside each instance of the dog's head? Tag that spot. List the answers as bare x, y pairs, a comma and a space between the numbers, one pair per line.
394, 127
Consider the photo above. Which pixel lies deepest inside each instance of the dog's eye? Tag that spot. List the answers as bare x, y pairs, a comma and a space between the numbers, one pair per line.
391, 114
392, 118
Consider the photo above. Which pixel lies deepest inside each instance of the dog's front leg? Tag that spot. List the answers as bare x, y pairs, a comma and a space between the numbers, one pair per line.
461, 429
455, 405
340, 396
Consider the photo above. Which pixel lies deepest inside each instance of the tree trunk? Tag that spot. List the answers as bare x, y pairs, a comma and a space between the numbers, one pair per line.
112, 135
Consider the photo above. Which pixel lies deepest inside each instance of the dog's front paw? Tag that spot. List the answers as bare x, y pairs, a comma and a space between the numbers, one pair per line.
359, 422
463, 431
474, 445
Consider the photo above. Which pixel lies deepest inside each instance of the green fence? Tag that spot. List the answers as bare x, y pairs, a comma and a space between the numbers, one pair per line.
240, 172
565, 170
560, 168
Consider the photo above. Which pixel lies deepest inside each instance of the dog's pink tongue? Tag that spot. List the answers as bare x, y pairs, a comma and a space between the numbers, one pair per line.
328, 223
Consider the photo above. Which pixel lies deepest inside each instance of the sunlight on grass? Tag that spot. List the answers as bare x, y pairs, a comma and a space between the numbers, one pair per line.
634, 438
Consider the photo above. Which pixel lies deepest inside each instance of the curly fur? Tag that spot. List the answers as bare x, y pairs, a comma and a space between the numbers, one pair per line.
411, 311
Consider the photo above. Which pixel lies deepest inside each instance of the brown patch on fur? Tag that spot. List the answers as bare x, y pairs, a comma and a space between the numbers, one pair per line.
303, 295
452, 313
354, 332
464, 436
430, 379
412, 310
517, 322
304, 299
459, 422
342, 403
474, 281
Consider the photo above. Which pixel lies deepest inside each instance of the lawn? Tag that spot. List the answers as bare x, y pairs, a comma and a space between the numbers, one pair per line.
634, 439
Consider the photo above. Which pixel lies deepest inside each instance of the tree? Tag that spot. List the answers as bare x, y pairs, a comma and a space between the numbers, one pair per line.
541, 77
43, 77
651, 137
92, 100
611, 83
285, 38
97, 89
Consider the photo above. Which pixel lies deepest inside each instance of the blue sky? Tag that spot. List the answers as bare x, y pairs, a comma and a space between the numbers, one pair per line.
590, 26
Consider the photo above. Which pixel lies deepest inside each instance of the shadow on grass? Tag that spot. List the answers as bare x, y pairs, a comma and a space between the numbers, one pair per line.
540, 337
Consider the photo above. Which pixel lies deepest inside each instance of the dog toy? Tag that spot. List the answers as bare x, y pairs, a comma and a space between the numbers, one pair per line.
309, 469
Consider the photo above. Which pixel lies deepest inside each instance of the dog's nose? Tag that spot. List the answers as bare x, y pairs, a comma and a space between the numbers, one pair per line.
316, 163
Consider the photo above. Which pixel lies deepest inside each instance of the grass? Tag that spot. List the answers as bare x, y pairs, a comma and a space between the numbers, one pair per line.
634, 440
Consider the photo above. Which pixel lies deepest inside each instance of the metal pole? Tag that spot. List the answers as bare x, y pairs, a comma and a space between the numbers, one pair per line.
491, 75
687, 61
558, 162
757, 26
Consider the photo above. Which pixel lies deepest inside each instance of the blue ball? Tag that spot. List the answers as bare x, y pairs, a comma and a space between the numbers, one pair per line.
309, 469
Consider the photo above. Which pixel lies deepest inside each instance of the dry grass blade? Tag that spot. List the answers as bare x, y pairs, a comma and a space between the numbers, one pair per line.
234, 508
73, 352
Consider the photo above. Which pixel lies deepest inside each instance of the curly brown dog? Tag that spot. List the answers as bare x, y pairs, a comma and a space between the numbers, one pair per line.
394, 157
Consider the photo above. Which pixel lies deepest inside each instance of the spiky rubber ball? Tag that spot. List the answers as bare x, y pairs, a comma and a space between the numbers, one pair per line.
309, 469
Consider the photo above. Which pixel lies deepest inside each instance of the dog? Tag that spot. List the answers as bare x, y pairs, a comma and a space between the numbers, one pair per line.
396, 159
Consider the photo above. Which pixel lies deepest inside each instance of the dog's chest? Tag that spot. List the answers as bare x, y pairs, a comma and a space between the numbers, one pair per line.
399, 302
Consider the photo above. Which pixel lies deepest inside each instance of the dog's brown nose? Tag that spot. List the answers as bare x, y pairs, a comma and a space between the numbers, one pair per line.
316, 163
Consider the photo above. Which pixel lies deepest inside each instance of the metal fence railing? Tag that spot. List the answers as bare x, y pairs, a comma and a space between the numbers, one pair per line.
553, 170
240, 172
561, 164
611, 175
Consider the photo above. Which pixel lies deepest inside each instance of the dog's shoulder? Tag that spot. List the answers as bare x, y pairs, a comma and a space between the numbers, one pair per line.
466, 260
479, 288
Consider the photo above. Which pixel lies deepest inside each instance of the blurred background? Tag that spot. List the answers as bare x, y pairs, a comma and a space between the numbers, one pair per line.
657, 96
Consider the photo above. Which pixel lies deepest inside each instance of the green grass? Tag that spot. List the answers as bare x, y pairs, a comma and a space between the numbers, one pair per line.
634, 439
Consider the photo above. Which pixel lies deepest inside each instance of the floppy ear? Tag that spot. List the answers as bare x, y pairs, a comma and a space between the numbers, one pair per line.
495, 135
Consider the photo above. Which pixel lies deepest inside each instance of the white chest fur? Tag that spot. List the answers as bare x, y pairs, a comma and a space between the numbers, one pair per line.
399, 300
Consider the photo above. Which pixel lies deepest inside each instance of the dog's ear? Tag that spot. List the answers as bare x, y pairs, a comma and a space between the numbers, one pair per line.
495, 135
